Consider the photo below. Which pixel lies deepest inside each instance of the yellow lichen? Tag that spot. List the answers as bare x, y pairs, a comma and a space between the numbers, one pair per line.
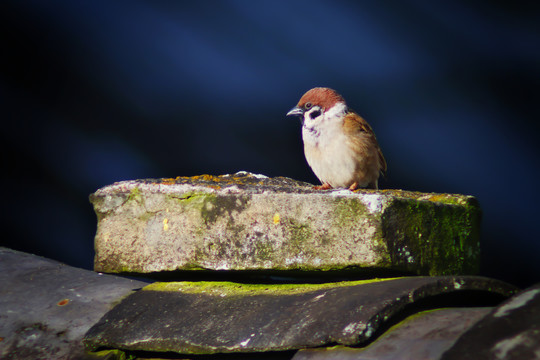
165, 224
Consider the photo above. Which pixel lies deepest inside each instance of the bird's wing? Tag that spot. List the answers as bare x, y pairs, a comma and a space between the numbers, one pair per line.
355, 125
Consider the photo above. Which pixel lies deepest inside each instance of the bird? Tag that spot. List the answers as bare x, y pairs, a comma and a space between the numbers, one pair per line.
339, 145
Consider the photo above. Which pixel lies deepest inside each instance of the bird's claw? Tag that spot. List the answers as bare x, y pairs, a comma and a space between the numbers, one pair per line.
324, 186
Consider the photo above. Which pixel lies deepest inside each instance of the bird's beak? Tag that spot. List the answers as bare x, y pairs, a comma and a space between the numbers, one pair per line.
296, 111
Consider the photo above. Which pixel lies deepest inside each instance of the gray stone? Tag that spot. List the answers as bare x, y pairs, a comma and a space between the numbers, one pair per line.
425, 336
46, 307
224, 317
251, 222
511, 331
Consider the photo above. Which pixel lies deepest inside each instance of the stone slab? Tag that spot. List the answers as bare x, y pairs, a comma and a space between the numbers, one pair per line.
251, 222
425, 336
46, 307
511, 331
222, 317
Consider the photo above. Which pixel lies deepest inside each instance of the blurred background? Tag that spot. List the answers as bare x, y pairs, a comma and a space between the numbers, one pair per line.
94, 92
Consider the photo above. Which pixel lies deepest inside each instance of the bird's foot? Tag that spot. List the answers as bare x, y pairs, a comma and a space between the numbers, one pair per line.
324, 186
353, 186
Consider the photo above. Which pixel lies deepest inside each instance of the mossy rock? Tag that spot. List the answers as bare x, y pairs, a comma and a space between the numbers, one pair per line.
252, 222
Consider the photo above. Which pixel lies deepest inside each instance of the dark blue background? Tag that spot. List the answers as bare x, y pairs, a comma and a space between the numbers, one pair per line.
94, 92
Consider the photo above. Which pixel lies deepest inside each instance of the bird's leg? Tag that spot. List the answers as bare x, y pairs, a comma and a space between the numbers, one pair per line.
353, 186
324, 186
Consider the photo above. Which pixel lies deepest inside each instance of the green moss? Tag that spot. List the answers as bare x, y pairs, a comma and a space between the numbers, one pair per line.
194, 201
300, 233
381, 249
145, 216
213, 207
109, 355
263, 251
447, 199
231, 288
192, 197
193, 267
346, 215
348, 210
434, 238
451, 199
216, 207
135, 195
235, 231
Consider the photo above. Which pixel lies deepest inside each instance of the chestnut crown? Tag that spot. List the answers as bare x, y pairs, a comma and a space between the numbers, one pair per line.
323, 97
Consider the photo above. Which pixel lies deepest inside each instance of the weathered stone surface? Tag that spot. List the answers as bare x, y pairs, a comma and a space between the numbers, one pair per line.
210, 317
511, 331
46, 307
425, 336
251, 222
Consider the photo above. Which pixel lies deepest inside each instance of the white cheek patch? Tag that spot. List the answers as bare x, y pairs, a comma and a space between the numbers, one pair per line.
314, 113
336, 110
312, 126
325, 122
310, 120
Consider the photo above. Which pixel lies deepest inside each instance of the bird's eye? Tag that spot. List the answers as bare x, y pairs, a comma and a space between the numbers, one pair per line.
308, 105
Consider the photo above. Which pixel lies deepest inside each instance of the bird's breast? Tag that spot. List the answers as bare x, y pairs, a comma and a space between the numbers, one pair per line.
329, 156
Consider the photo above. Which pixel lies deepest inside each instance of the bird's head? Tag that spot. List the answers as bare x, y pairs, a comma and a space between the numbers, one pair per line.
315, 103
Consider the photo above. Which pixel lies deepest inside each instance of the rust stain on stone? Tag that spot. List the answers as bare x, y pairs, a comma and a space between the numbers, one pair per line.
63, 302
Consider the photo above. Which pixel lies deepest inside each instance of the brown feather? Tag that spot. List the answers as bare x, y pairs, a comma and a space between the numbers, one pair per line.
363, 138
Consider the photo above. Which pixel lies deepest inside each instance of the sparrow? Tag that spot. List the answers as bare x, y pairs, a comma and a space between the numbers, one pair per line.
339, 145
